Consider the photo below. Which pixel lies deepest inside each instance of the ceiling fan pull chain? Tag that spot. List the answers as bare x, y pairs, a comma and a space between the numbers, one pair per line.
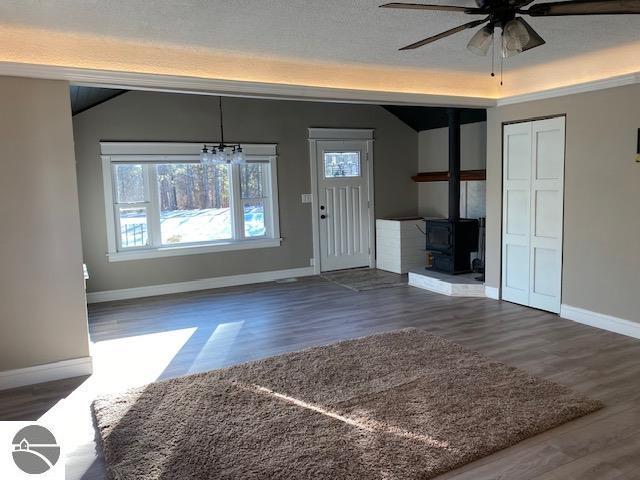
501, 68
493, 55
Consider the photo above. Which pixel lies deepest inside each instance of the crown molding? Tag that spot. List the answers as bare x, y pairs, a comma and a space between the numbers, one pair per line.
619, 81
207, 86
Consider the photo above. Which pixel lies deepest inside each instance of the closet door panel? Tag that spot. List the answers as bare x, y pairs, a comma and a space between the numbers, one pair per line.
547, 209
516, 213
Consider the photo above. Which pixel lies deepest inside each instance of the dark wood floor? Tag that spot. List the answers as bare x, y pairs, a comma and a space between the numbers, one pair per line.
138, 341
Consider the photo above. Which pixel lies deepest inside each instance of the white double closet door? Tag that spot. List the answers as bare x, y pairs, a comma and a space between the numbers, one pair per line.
533, 210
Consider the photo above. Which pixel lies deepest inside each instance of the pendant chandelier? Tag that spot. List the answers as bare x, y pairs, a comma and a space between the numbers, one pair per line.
222, 153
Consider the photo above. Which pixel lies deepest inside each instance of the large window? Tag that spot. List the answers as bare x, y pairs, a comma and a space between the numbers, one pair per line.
161, 204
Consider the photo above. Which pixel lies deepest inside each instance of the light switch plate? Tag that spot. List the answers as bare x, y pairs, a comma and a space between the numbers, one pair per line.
307, 198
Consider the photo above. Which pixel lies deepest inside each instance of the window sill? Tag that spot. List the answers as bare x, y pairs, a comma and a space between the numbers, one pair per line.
193, 249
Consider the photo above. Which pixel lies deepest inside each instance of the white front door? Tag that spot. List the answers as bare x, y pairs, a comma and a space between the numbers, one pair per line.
533, 207
343, 204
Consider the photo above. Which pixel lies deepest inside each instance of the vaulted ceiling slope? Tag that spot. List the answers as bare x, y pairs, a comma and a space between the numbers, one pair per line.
418, 118
84, 98
428, 118
332, 43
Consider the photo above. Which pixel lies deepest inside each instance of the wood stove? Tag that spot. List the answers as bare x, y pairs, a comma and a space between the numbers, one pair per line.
452, 240
451, 244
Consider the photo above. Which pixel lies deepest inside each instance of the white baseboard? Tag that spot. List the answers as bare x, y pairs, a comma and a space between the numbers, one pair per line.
492, 292
600, 320
76, 367
203, 284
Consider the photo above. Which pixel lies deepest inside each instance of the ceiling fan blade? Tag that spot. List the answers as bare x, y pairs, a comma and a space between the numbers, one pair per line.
445, 34
440, 8
535, 40
584, 7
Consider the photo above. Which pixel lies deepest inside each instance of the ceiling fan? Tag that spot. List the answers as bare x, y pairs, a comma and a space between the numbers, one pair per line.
517, 35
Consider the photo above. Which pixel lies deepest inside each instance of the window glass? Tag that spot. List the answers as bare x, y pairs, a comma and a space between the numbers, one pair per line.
254, 225
133, 226
194, 203
129, 183
252, 178
341, 164
188, 204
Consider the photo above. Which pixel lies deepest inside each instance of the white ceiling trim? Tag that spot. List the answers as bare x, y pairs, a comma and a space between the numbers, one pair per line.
618, 81
208, 86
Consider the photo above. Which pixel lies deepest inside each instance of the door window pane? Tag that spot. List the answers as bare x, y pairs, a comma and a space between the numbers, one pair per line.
133, 226
129, 183
341, 164
252, 180
194, 203
254, 225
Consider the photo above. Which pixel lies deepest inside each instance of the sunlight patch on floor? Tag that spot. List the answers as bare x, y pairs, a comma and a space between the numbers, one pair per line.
142, 357
118, 364
217, 346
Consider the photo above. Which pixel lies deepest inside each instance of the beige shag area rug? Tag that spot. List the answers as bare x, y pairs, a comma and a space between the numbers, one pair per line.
361, 279
395, 406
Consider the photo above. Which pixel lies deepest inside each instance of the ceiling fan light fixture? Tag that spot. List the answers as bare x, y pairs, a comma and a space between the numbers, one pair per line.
481, 41
515, 37
535, 40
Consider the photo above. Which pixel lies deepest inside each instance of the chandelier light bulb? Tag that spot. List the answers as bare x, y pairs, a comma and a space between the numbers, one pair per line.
240, 157
204, 155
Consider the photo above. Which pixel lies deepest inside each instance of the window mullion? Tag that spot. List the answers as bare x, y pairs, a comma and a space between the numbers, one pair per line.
272, 216
111, 196
237, 223
152, 194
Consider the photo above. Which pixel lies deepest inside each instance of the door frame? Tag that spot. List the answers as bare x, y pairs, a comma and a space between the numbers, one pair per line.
564, 194
340, 134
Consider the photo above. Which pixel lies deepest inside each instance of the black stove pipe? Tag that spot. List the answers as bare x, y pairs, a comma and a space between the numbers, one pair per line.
454, 164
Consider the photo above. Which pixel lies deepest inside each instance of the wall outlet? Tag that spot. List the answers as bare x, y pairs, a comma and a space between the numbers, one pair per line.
307, 198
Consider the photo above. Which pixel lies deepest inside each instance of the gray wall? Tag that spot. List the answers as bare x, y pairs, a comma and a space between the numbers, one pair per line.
42, 301
601, 265
433, 156
172, 117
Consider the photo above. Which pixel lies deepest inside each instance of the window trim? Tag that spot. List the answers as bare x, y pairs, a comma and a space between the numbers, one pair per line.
113, 153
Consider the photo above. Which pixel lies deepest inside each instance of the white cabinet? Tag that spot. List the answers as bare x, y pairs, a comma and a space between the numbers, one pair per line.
400, 244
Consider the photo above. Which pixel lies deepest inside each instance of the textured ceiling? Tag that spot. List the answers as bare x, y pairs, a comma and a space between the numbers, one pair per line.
350, 32
329, 30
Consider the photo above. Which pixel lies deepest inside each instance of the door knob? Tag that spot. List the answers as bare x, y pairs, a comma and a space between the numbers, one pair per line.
321, 207
323, 216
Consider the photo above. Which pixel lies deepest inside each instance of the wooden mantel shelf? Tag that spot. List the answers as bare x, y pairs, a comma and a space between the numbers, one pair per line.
465, 176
